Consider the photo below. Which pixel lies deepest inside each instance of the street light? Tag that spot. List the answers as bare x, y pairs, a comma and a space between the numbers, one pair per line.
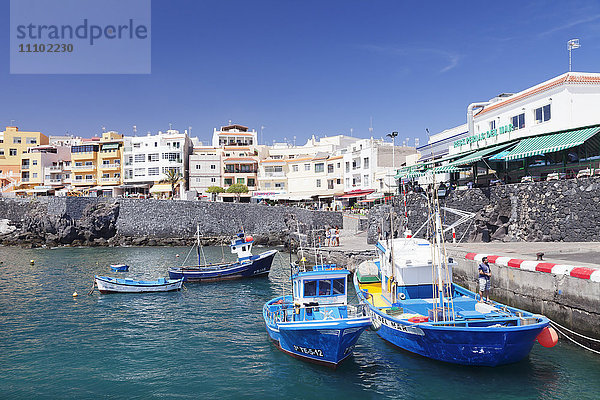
572, 44
393, 136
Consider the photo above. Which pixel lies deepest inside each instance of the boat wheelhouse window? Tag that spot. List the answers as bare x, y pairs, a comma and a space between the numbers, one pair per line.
310, 288
325, 288
339, 286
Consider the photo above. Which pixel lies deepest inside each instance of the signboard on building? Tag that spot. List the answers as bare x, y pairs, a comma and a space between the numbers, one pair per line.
485, 135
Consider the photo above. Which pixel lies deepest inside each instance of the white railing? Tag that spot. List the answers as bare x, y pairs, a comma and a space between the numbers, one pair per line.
321, 312
111, 166
24, 179
54, 181
274, 174
83, 167
55, 168
110, 179
24, 166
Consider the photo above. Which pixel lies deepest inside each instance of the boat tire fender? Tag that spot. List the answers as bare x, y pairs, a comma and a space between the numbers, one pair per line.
402, 296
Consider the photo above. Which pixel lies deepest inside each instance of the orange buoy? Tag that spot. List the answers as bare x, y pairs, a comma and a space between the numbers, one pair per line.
249, 238
548, 337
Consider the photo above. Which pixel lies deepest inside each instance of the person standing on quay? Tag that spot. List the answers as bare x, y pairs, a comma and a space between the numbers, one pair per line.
327, 236
485, 274
337, 236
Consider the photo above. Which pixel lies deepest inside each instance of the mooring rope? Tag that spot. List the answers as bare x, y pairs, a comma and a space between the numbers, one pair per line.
557, 326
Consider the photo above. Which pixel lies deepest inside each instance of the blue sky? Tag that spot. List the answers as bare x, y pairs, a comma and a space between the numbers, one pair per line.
312, 67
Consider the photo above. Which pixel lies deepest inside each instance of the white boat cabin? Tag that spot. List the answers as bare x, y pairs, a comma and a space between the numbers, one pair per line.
323, 286
241, 245
412, 262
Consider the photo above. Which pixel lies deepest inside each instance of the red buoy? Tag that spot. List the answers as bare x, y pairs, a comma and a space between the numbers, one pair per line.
249, 238
548, 337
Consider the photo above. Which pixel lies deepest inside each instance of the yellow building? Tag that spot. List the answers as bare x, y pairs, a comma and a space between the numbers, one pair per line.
13, 145
96, 164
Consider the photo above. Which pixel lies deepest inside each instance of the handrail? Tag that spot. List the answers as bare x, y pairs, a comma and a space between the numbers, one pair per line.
289, 314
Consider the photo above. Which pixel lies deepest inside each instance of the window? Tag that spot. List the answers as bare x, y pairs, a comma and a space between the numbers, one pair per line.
320, 167
366, 162
267, 185
89, 163
139, 158
339, 181
172, 157
213, 180
310, 288
16, 140
307, 167
105, 176
279, 185
330, 184
12, 152
128, 173
338, 165
117, 175
318, 183
136, 145
78, 163
140, 171
153, 171
213, 166
366, 180
155, 144
325, 288
492, 124
1, 152
105, 162
153, 157
518, 121
35, 174
89, 177
176, 170
198, 166
34, 162
240, 180
339, 286
329, 168
31, 140
295, 168
78, 177
347, 181
347, 166
542, 114
251, 182
228, 181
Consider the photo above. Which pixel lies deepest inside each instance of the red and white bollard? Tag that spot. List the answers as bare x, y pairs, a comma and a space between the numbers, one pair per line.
453, 235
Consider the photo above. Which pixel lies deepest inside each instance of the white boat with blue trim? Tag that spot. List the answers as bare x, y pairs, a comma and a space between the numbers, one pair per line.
106, 284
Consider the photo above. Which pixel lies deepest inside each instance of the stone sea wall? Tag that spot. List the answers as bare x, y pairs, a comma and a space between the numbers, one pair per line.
56, 221
566, 210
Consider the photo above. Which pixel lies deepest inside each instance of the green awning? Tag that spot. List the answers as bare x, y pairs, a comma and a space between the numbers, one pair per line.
534, 146
447, 169
478, 155
402, 172
110, 146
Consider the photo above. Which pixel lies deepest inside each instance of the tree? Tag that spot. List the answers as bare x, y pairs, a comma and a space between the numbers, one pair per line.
237, 188
214, 190
173, 178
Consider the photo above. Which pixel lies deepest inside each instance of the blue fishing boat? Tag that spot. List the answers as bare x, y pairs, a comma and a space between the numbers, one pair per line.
119, 267
106, 284
246, 265
316, 323
415, 306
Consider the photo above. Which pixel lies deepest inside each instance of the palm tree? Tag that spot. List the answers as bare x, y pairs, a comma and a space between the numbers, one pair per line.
173, 178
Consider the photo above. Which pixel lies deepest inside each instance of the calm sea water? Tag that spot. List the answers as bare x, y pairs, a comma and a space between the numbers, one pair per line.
209, 341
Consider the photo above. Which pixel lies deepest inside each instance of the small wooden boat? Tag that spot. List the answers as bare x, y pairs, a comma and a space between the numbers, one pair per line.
108, 284
246, 266
119, 267
316, 323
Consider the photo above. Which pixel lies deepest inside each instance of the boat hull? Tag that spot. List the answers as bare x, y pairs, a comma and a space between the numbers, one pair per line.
111, 285
324, 342
476, 345
259, 265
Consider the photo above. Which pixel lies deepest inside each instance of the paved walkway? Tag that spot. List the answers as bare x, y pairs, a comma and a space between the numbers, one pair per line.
580, 253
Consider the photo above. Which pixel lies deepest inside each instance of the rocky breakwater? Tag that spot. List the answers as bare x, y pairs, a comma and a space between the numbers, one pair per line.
37, 227
555, 211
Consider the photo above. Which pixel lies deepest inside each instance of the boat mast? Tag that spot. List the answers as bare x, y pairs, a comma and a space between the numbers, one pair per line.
393, 262
200, 248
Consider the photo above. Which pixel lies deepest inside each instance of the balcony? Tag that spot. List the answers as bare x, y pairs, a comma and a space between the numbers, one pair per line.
83, 167
24, 180
110, 166
25, 166
111, 180
240, 171
84, 182
55, 168
54, 181
274, 174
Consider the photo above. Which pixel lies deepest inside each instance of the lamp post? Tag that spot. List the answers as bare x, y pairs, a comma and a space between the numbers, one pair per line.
572, 44
393, 136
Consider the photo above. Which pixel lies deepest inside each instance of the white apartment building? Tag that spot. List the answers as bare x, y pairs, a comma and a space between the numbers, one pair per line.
234, 135
205, 169
371, 164
148, 158
317, 177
